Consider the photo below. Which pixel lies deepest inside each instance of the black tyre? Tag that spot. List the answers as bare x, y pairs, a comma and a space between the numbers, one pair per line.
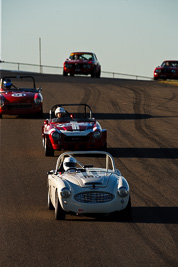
59, 212
50, 205
64, 73
40, 114
98, 74
49, 152
93, 74
0, 116
126, 214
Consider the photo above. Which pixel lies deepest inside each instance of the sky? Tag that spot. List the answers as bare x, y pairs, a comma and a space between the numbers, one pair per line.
128, 36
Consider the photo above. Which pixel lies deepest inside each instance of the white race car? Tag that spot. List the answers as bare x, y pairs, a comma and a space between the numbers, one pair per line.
82, 188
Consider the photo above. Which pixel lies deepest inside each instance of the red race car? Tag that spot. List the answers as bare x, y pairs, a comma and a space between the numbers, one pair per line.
82, 63
73, 128
167, 70
15, 99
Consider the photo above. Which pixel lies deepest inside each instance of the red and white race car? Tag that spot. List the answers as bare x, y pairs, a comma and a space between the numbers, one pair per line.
73, 128
85, 63
167, 70
16, 99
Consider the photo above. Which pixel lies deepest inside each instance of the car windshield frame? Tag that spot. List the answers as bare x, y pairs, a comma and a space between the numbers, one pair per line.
86, 115
19, 79
109, 160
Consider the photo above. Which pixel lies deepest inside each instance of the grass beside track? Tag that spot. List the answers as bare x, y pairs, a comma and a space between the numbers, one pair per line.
172, 82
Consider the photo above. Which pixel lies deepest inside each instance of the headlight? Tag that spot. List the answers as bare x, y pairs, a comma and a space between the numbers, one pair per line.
37, 101
173, 71
1, 102
56, 136
65, 192
96, 134
157, 71
68, 66
122, 191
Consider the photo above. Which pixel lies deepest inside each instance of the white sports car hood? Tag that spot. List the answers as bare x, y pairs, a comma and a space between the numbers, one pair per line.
84, 179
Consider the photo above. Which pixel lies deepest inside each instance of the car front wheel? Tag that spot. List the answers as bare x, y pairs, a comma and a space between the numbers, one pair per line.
50, 205
64, 73
49, 152
126, 214
59, 212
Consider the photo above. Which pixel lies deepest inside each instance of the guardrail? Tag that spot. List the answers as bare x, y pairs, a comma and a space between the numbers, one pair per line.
16, 66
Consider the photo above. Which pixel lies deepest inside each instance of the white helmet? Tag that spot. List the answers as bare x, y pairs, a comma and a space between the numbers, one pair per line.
59, 110
69, 163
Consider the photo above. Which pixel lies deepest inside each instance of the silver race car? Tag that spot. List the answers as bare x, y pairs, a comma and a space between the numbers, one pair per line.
82, 188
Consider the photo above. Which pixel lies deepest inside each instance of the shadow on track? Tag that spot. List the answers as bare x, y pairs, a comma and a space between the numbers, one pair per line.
159, 215
121, 116
162, 215
160, 153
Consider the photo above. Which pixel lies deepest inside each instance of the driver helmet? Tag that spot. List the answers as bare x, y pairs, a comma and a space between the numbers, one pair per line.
69, 163
7, 83
59, 110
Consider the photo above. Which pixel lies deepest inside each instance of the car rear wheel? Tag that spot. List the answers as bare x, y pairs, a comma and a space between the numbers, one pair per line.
0, 116
59, 212
49, 152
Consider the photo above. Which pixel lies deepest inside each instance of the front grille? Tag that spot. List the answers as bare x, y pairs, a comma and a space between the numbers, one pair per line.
94, 197
78, 66
76, 139
19, 106
165, 70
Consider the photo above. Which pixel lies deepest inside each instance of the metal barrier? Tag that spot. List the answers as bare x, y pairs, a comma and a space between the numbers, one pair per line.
16, 66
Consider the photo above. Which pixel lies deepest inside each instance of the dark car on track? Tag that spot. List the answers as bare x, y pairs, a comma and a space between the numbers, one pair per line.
167, 70
18, 99
85, 63
75, 130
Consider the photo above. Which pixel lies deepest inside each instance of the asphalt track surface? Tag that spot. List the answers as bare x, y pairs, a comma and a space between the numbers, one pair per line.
142, 122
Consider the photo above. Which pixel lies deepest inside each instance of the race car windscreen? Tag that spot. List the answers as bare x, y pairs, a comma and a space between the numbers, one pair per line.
26, 83
74, 112
83, 56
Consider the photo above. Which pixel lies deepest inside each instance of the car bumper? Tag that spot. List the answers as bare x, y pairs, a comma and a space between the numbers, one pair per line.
117, 204
79, 69
89, 144
165, 76
82, 71
20, 109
